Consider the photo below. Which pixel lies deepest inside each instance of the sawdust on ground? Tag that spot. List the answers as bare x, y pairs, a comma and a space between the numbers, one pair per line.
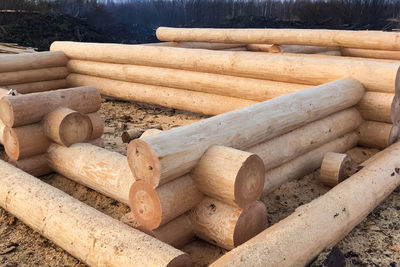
375, 242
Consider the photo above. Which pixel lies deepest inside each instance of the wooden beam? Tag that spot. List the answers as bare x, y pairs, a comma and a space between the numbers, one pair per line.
20, 62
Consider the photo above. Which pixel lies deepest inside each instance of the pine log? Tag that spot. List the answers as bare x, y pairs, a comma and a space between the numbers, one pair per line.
168, 155
14, 110
342, 208
176, 233
150, 132
357, 39
153, 208
97, 168
232, 176
65, 126
98, 241
97, 142
97, 122
370, 53
205, 45
336, 168
227, 226
2, 127
286, 147
375, 76
12, 63
306, 163
25, 141
28, 76
330, 53
269, 48
242, 48
375, 134
245, 88
376, 106
307, 49
35, 166
34, 87
198, 102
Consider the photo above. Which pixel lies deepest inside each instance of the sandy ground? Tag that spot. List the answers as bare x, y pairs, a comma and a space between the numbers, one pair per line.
375, 242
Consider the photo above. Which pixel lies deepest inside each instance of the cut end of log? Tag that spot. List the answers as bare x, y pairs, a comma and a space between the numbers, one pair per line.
11, 143
181, 261
250, 181
145, 205
276, 49
6, 112
252, 221
394, 134
75, 128
336, 168
144, 162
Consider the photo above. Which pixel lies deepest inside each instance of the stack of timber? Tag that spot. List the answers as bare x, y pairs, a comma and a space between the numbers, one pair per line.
98, 241
200, 177
34, 72
213, 82
32, 122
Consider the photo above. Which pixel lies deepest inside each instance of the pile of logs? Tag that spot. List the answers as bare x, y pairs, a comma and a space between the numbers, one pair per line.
34, 72
32, 122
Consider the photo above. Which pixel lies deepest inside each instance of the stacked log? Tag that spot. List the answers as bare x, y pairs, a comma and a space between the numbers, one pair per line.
347, 204
233, 180
65, 117
55, 215
36, 72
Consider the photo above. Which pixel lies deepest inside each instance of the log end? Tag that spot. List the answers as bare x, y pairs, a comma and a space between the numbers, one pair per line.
144, 162
336, 168
11, 143
250, 180
145, 205
394, 134
252, 221
276, 49
181, 261
6, 112
75, 128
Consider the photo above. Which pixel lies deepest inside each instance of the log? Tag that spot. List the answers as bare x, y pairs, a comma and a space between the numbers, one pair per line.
303, 70
270, 48
150, 132
376, 106
370, 53
176, 233
153, 208
375, 134
286, 147
14, 111
357, 39
34, 87
375, 76
98, 241
306, 163
342, 208
232, 176
28, 76
97, 168
163, 96
330, 53
245, 88
25, 141
12, 63
165, 156
336, 168
307, 49
97, 122
35, 166
65, 126
205, 45
227, 226
2, 127
97, 142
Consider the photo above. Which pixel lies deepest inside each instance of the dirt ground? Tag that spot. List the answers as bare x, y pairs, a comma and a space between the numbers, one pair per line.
375, 242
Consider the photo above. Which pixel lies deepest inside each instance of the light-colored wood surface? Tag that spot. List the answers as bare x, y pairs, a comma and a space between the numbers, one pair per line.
34, 87
168, 155
87, 234
20, 62
374, 134
29, 76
